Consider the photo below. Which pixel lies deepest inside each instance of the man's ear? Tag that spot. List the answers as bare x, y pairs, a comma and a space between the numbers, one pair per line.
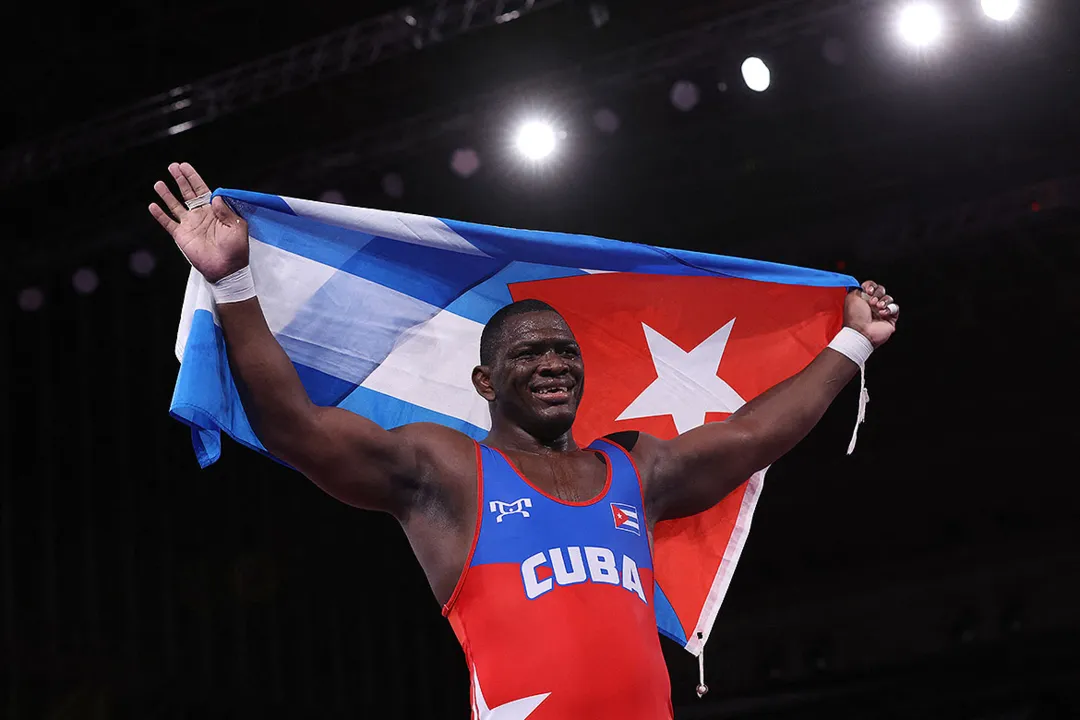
481, 380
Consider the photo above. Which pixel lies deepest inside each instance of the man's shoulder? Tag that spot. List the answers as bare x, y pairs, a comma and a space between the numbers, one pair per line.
645, 449
635, 442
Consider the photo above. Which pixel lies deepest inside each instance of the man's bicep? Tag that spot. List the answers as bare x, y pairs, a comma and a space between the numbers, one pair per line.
358, 462
697, 469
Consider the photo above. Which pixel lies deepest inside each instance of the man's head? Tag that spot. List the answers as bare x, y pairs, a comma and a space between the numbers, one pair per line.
530, 369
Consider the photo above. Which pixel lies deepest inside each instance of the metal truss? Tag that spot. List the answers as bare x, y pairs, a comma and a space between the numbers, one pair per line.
183, 108
762, 25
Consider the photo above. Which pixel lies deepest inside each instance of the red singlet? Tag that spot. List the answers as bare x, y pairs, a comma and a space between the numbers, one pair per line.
555, 606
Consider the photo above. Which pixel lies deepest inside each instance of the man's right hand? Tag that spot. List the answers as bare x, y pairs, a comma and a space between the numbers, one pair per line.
213, 238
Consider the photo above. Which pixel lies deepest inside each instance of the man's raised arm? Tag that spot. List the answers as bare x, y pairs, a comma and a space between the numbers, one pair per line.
696, 470
348, 456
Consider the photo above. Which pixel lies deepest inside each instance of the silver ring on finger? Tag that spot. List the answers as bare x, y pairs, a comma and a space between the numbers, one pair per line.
198, 202
893, 308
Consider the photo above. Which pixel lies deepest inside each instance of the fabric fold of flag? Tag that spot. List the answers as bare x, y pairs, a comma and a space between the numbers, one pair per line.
381, 314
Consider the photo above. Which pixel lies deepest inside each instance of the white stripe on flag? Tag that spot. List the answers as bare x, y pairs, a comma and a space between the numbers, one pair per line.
405, 227
196, 297
349, 325
432, 367
287, 279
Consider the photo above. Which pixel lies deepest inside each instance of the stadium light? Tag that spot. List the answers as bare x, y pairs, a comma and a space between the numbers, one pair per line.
142, 263
536, 140
465, 162
920, 24
756, 74
31, 299
85, 281
685, 95
606, 120
1000, 10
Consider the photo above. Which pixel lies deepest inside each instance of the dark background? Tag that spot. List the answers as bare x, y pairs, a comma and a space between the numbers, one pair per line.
933, 574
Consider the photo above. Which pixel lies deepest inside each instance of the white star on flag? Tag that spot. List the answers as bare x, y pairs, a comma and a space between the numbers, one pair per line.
513, 710
686, 385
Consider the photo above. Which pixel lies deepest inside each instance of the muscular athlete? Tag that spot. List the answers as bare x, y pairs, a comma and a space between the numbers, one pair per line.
551, 602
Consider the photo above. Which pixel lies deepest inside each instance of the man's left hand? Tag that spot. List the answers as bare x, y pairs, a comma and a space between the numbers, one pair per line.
871, 311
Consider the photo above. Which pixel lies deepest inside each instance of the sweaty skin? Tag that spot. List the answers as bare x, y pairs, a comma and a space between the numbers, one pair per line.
425, 475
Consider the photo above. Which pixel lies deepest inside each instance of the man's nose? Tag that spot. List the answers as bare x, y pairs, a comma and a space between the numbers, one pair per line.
552, 363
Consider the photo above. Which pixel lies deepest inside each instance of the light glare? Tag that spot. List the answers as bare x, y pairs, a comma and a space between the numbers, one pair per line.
85, 281
31, 299
756, 74
920, 24
536, 140
1000, 10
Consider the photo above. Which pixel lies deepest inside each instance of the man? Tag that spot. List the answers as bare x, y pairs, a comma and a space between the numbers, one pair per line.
550, 599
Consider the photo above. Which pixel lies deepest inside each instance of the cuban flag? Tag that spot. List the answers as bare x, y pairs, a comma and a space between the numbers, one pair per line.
625, 517
381, 314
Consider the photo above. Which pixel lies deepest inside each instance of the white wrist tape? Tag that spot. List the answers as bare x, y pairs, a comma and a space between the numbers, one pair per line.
234, 288
853, 345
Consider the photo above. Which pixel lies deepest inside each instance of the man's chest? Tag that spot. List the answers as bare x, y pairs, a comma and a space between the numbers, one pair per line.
575, 478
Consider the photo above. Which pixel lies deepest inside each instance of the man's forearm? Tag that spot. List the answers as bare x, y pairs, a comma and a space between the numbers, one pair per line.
702, 466
779, 418
273, 396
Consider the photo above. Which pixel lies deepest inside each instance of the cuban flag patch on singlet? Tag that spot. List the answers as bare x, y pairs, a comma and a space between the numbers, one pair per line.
626, 518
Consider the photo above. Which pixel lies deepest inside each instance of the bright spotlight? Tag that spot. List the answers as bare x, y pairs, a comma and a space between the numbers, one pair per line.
920, 24
536, 140
1000, 10
756, 74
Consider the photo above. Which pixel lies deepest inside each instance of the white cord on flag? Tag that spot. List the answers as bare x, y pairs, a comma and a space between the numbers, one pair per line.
864, 397
702, 688
853, 345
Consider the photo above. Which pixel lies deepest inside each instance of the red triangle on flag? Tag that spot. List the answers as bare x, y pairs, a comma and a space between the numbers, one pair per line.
777, 331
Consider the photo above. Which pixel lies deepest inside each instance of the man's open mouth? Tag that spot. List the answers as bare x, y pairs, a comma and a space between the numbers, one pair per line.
552, 394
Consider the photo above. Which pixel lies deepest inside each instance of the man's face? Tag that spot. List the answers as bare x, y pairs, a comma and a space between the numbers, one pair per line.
538, 375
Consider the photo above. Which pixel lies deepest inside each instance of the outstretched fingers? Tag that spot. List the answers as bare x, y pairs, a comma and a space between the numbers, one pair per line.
186, 191
163, 218
174, 205
198, 185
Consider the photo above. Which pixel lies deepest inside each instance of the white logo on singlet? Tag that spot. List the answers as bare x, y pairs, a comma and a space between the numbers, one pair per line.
515, 508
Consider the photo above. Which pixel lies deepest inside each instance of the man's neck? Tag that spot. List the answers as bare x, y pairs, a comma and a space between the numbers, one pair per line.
516, 439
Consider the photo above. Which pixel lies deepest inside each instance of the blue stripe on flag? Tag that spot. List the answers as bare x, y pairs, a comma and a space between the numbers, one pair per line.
205, 396
390, 412
326, 244
666, 619
593, 253
248, 198
323, 389
433, 275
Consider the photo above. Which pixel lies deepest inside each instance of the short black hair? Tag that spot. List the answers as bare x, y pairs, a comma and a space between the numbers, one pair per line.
492, 336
